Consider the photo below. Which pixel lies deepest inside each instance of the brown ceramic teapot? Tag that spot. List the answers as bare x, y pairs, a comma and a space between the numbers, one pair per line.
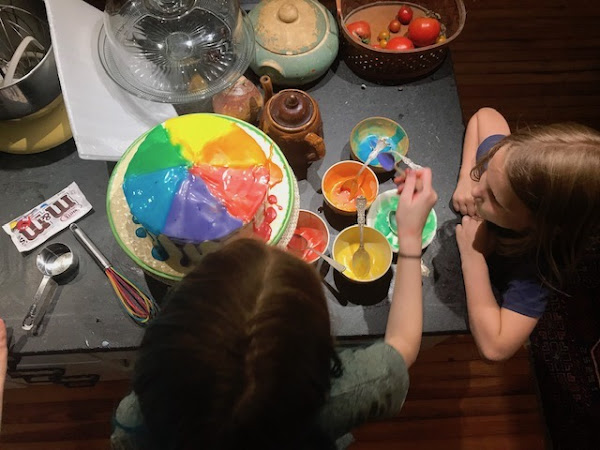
292, 119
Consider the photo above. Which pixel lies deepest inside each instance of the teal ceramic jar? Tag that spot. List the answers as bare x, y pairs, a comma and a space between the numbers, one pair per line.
297, 40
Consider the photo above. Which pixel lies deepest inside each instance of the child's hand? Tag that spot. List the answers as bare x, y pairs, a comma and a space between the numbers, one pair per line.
462, 200
473, 238
417, 197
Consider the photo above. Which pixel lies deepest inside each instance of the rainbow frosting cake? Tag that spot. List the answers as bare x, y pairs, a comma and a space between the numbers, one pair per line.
195, 181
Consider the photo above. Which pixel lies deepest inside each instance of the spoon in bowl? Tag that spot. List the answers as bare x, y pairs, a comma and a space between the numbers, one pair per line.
388, 162
351, 184
298, 245
361, 260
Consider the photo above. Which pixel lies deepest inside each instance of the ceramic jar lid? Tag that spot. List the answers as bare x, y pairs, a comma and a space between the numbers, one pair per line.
291, 109
289, 27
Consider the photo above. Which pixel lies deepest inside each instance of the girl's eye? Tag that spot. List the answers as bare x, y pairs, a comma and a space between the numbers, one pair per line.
493, 197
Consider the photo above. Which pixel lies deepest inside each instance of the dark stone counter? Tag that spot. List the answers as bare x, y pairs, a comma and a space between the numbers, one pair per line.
85, 314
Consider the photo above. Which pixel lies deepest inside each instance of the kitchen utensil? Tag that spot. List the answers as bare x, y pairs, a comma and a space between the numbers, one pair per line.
351, 185
367, 133
391, 66
388, 161
382, 217
138, 305
175, 51
339, 200
346, 243
28, 76
298, 244
55, 261
361, 260
392, 222
38, 132
292, 118
296, 41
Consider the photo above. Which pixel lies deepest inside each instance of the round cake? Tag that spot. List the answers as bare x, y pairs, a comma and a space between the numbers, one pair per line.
194, 182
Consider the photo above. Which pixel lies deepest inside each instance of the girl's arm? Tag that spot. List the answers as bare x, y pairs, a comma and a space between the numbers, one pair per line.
484, 123
405, 320
498, 332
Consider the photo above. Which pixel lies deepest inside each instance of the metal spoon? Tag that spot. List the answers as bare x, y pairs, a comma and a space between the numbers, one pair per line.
300, 245
54, 261
392, 222
361, 260
388, 162
351, 184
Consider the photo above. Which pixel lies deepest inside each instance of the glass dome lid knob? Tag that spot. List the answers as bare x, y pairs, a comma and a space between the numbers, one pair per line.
169, 8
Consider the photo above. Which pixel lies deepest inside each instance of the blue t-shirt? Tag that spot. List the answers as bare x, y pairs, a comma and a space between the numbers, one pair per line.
516, 283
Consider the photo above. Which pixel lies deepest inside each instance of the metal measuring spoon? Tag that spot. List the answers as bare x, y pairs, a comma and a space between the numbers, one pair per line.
55, 261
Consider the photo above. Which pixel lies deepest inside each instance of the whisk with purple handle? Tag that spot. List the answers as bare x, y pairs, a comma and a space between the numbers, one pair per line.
138, 305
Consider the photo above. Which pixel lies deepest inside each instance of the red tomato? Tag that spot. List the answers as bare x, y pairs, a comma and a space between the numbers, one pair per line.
424, 31
405, 14
399, 43
394, 26
360, 29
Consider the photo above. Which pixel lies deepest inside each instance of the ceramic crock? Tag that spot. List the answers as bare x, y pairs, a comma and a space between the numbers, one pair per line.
296, 40
293, 120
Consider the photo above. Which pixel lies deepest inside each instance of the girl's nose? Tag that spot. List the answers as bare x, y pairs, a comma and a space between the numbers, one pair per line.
476, 191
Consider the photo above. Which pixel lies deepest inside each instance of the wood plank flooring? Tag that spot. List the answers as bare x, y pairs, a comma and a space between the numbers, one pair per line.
536, 62
456, 401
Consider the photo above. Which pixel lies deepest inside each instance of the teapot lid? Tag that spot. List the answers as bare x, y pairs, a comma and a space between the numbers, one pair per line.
291, 108
289, 27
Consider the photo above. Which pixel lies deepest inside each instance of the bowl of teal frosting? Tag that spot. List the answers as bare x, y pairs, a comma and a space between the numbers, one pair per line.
366, 134
382, 217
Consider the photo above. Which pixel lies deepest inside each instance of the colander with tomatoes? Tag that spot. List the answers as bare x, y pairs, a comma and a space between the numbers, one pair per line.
392, 41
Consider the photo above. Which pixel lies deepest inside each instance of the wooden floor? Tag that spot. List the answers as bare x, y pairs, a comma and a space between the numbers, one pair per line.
456, 402
537, 62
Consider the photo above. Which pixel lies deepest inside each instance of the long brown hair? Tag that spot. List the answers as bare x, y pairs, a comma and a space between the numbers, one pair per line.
555, 171
240, 356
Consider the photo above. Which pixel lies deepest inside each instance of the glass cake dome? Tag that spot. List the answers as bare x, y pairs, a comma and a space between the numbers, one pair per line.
175, 51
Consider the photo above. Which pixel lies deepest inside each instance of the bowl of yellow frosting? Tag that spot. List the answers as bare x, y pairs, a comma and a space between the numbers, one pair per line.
347, 242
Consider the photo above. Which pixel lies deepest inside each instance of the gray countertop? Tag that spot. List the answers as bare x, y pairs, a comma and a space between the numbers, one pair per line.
85, 314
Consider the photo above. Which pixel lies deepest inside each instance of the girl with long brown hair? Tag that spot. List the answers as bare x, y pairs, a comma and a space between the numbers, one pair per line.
531, 203
241, 355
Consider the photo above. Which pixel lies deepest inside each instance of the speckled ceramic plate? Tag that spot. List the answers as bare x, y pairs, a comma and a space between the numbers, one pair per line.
379, 218
171, 270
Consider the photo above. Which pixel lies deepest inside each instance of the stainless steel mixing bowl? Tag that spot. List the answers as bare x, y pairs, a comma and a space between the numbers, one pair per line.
36, 81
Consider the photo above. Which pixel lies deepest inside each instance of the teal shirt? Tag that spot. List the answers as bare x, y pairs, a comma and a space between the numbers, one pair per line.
373, 386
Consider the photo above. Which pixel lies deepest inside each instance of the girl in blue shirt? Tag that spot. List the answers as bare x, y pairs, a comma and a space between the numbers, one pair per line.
530, 202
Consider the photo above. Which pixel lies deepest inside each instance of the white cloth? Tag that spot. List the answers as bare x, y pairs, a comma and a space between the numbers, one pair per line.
105, 119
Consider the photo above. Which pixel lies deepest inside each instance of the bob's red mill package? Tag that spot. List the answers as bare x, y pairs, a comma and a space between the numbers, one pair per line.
39, 224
